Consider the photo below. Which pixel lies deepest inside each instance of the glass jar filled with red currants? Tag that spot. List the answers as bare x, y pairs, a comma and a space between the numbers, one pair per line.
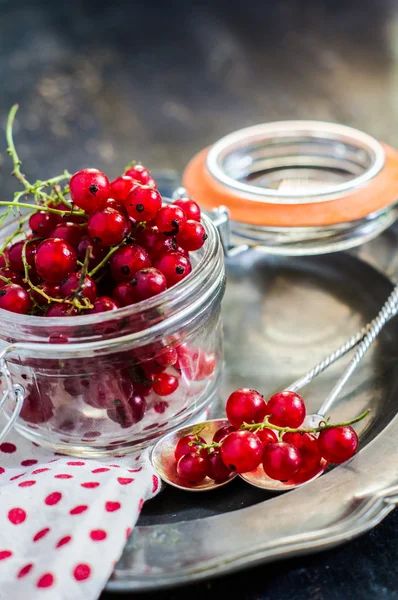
109, 309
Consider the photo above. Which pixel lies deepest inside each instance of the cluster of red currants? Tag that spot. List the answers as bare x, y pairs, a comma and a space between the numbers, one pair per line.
109, 245
268, 434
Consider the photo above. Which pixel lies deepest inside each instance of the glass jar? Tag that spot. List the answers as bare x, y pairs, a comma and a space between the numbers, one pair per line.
89, 382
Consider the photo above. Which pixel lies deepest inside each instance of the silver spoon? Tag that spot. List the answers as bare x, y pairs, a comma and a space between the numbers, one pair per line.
165, 464
258, 478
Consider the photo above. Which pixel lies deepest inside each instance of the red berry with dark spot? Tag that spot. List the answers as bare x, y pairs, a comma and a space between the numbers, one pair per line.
338, 444
107, 227
140, 173
69, 232
70, 286
148, 283
174, 267
281, 461
89, 189
143, 203
42, 223
149, 238
165, 245
127, 260
55, 259
241, 451
121, 187
190, 443
192, 468
287, 409
216, 468
104, 304
15, 299
128, 412
170, 220
164, 384
15, 255
190, 208
245, 406
12, 276
192, 236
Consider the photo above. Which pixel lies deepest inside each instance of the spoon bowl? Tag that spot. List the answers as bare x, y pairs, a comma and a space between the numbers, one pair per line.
165, 464
259, 479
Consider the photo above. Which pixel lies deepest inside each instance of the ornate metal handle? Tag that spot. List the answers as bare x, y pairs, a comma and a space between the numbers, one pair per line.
15, 393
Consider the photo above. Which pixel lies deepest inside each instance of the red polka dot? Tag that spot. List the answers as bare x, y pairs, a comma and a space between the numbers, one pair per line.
97, 535
7, 447
63, 541
41, 534
81, 572
45, 580
17, 476
125, 480
90, 484
34, 444
137, 457
2, 470
16, 516
100, 470
128, 531
40, 471
78, 509
134, 470
53, 498
112, 506
155, 484
141, 504
63, 476
5, 554
26, 483
29, 462
76, 463
25, 570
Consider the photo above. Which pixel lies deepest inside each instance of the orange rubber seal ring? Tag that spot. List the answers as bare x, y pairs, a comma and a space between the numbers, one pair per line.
379, 193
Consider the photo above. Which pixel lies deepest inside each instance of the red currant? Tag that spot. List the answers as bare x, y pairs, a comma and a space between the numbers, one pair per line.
141, 174
62, 309
190, 208
245, 406
192, 468
107, 227
51, 289
216, 468
287, 409
170, 220
37, 407
241, 451
307, 444
15, 299
160, 407
267, 436
281, 461
148, 283
69, 232
127, 260
164, 384
96, 253
42, 223
166, 358
15, 255
129, 412
183, 446
72, 284
149, 238
223, 432
55, 259
12, 276
124, 294
174, 267
166, 245
121, 187
192, 236
337, 444
104, 304
89, 189
143, 203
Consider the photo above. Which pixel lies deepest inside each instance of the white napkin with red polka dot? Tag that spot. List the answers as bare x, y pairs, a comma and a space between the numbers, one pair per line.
64, 521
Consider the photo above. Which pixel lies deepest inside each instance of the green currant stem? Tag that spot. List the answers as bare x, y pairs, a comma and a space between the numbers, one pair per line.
12, 151
206, 446
34, 207
5, 279
106, 258
323, 425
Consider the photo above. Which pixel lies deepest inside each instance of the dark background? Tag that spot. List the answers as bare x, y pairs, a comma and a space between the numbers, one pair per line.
102, 83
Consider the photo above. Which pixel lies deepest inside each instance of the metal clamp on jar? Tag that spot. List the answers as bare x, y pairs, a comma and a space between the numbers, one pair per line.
297, 187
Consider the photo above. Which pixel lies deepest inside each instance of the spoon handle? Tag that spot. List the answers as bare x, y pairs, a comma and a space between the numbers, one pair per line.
389, 309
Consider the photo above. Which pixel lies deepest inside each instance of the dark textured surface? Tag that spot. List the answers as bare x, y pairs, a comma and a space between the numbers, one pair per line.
101, 83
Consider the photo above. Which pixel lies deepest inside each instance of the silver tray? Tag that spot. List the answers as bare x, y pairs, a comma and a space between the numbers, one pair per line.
281, 315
